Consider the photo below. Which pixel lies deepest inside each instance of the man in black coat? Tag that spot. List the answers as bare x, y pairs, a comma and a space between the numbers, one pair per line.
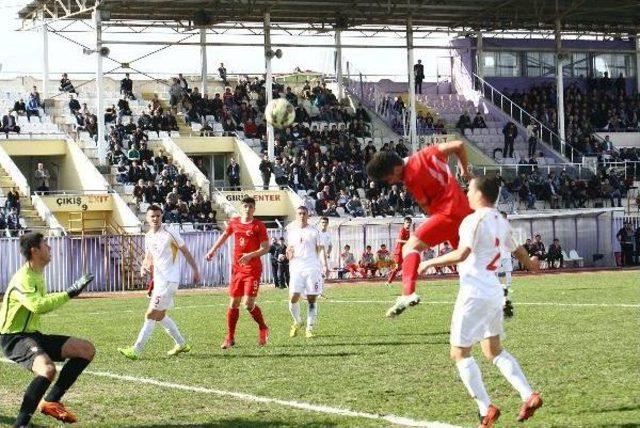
418, 74
233, 173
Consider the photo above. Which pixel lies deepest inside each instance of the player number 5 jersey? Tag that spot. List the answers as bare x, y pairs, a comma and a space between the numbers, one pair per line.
488, 235
164, 246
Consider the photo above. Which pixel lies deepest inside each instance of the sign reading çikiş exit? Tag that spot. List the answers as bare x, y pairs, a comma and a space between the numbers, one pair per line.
78, 202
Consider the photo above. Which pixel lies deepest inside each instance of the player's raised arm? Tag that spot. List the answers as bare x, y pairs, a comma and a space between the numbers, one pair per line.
457, 148
453, 258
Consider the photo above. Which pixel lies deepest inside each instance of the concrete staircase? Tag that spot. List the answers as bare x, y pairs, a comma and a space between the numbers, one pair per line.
27, 211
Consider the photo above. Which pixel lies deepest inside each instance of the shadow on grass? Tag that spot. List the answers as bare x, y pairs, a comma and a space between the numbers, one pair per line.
7, 421
376, 343
243, 422
233, 354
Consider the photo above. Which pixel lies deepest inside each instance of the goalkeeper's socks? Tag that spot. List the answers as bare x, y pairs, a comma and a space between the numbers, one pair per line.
294, 308
32, 397
68, 376
312, 315
410, 272
144, 335
256, 313
172, 330
232, 319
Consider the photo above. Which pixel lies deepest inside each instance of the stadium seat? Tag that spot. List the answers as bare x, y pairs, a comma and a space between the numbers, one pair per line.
575, 257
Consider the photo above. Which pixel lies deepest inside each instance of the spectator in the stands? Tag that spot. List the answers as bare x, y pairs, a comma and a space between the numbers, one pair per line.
13, 200
555, 254
42, 178
74, 105
510, 132
464, 121
354, 207
183, 83
478, 120
66, 85
222, 72
126, 87
36, 95
19, 107
175, 93
418, 74
9, 124
13, 222
33, 109
233, 174
123, 109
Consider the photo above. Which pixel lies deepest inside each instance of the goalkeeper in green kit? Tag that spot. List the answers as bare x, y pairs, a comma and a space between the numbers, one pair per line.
25, 300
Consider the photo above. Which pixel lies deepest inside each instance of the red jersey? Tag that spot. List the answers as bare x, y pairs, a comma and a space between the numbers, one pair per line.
247, 238
382, 254
429, 180
403, 235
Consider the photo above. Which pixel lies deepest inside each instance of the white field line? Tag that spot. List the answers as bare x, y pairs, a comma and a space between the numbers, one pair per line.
367, 302
309, 407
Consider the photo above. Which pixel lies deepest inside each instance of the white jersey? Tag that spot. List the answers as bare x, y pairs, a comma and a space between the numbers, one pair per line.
488, 235
164, 246
324, 239
304, 241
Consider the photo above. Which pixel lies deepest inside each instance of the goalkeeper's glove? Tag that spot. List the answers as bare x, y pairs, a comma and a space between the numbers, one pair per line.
78, 287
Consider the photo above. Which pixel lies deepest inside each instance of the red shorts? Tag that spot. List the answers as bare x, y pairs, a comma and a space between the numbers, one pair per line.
245, 283
439, 228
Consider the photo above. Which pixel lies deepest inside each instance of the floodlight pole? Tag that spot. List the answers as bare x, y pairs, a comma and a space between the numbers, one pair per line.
413, 135
101, 143
638, 63
339, 65
560, 86
268, 82
203, 60
45, 58
479, 55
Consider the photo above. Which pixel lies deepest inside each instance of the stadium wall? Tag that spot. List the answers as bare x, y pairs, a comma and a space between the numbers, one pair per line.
589, 233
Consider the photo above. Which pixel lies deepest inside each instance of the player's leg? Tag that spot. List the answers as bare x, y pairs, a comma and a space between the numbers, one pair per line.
233, 313
159, 314
314, 285
467, 327
251, 287
508, 305
510, 369
26, 351
296, 288
394, 271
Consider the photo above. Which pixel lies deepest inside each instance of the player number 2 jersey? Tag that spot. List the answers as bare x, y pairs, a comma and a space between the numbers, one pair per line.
488, 235
304, 241
428, 178
164, 246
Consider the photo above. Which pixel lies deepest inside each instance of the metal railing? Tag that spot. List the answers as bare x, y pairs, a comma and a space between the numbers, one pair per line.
514, 111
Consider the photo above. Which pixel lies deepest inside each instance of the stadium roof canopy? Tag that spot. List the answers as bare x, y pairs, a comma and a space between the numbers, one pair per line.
619, 17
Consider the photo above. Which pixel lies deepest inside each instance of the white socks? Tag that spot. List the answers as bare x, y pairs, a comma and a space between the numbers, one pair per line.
511, 370
472, 379
311, 316
294, 308
507, 280
144, 335
172, 330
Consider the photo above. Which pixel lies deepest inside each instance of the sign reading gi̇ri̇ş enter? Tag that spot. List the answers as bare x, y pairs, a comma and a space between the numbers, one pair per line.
268, 202
58, 203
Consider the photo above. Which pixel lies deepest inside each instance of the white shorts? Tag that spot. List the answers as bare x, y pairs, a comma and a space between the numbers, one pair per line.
475, 319
162, 296
307, 282
506, 265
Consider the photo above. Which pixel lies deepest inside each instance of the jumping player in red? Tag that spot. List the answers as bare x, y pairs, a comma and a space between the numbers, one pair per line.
250, 243
427, 176
403, 237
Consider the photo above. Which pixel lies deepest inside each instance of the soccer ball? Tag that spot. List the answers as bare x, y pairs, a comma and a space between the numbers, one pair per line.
280, 113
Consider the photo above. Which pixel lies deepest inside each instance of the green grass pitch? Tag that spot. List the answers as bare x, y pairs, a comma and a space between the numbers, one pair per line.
575, 335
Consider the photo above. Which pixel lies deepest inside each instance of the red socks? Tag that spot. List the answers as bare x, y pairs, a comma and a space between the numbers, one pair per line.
410, 272
393, 274
256, 313
232, 319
